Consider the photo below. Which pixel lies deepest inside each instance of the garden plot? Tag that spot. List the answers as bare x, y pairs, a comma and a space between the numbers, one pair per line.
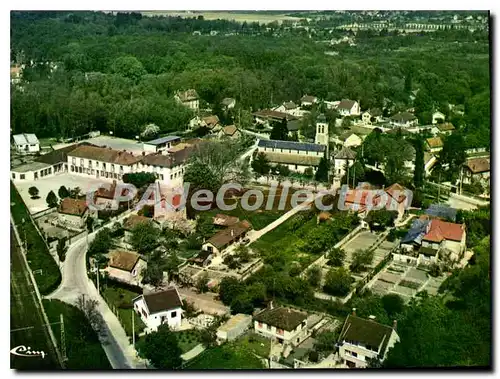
417, 274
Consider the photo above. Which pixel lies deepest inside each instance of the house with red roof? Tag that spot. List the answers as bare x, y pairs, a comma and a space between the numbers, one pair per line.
443, 235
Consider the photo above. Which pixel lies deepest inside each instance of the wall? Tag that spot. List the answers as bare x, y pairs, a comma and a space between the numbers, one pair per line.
206, 246
153, 321
76, 221
287, 336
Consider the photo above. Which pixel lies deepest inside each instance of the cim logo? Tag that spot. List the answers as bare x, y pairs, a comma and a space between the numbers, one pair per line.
25, 351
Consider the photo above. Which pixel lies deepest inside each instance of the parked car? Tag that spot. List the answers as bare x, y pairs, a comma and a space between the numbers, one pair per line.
245, 241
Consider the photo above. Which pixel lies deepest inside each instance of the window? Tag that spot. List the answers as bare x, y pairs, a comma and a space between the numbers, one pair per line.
92, 172
115, 176
112, 168
102, 173
73, 160
104, 166
22, 176
280, 331
88, 171
161, 176
80, 169
171, 176
173, 314
72, 168
50, 170
97, 165
260, 325
90, 163
13, 176
121, 168
81, 161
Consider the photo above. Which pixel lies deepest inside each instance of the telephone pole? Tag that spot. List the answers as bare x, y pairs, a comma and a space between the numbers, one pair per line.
133, 328
63, 340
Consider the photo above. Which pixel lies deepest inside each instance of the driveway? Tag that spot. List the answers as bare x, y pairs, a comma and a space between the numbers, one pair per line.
204, 301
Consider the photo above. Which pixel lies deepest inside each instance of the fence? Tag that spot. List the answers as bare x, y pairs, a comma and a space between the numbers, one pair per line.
45, 212
77, 237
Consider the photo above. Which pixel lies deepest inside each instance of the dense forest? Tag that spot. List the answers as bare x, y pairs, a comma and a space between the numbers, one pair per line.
119, 72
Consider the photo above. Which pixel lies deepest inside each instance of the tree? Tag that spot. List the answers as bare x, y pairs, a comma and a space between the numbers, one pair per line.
282, 170
61, 249
260, 164
153, 274
393, 304
162, 349
338, 282
314, 276
51, 199
129, 67
418, 174
202, 283
139, 179
172, 265
323, 170
242, 304
361, 259
308, 172
280, 130
453, 153
150, 130
75, 192
208, 336
336, 257
229, 289
89, 308
101, 243
325, 341
63, 192
33, 191
145, 237
242, 253
381, 218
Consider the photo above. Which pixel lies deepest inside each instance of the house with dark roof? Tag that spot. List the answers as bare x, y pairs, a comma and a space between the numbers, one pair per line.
363, 339
342, 160
291, 108
188, 98
371, 115
308, 100
286, 326
434, 144
476, 169
348, 107
132, 221
125, 266
404, 119
225, 238
159, 308
229, 131
296, 155
73, 212
445, 128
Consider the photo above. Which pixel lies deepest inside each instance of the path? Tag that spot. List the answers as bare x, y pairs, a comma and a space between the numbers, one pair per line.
198, 349
75, 282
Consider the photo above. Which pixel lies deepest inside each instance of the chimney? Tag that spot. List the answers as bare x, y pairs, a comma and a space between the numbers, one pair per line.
354, 311
395, 324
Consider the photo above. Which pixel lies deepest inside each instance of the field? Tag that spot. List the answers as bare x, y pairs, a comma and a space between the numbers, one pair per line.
118, 297
47, 274
26, 321
261, 18
229, 356
83, 349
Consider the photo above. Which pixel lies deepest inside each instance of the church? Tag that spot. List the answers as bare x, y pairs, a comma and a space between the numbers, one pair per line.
298, 156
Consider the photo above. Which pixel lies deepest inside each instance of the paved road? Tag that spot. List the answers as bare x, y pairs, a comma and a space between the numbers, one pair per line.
75, 283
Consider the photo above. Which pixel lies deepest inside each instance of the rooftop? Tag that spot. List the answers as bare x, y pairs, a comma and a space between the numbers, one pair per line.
159, 141
235, 321
163, 301
367, 332
445, 127
268, 113
74, 207
281, 317
105, 155
478, 165
345, 153
134, 220
123, 260
227, 236
346, 104
293, 159
60, 155
434, 142
229, 130
291, 145
403, 117
188, 95
175, 158
32, 166
225, 220
25, 139
442, 230
308, 99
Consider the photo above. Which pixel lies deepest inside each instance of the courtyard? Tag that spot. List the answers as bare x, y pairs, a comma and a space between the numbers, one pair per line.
135, 147
53, 183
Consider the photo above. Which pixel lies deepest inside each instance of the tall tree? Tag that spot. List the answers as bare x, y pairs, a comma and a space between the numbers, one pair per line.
418, 174
51, 199
162, 349
260, 164
280, 130
323, 170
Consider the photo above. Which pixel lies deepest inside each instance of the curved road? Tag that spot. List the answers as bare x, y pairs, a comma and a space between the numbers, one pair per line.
75, 283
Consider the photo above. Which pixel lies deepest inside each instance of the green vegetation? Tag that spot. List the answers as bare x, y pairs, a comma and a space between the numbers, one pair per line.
161, 348
47, 274
229, 356
83, 349
446, 332
119, 300
187, 339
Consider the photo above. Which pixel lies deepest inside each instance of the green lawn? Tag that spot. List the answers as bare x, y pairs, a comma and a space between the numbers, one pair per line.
229, 356
255, 343
121, 299
26, 320
83, 349
188, 339
44, 267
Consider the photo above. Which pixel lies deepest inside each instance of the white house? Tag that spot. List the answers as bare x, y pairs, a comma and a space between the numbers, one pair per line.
429, 162
348, 107
308, 100
298, 156
286, 326
361, 339
125, 266
159, 308
228, 103
342, 161
160, 144
26, 143
291, 108
372, 115
404, 120
437, 117
476, 169
73, 212
188, 98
